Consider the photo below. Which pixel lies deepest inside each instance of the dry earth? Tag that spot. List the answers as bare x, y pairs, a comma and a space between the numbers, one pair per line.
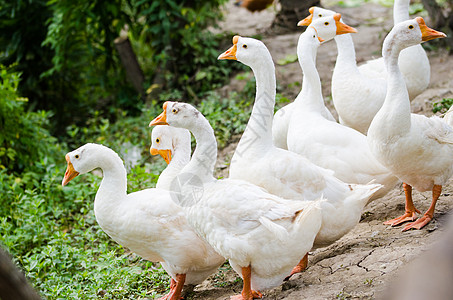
365, 261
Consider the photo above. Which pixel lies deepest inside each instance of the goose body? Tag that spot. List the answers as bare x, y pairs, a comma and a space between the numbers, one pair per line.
359, 91
325, 142
148, 222
417, 149
262, 235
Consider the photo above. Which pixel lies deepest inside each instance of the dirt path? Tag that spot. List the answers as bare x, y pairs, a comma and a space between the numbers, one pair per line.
362, 263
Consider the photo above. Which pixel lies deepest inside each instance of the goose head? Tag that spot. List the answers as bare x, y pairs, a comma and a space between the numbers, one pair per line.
316, 13
330, 26
83, 160
309, 37
248, 51
164, 140
177, 114
408, 33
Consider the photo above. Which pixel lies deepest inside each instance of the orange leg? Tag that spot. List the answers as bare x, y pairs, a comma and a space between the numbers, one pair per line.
172, 287
175, 288
411, 211
247, 292
429, 214
302, 265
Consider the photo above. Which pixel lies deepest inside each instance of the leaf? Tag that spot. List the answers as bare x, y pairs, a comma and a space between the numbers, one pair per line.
287, 60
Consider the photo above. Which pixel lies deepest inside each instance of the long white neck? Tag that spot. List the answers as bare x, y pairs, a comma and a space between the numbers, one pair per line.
310, 97
346, 51
400, 11
258, 133
180, 158
205, 154
113, 188
395, 114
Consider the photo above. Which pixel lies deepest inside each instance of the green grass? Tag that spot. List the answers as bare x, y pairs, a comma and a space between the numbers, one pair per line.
442, 106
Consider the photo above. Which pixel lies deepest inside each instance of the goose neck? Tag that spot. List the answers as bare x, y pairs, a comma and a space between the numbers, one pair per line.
180, 158
310, 96
259, 127
113, 186
205, 155
395, 112
181, 152
346, 51
400, 11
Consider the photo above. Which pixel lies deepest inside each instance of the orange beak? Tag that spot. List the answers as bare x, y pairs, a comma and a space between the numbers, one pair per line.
428, 33
341, 27
161, 119
231, 53
70, 173
307, 21
166, 154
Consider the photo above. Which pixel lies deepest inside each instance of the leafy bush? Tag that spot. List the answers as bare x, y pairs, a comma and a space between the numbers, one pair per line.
185, 51
65, 51
24, 136
22, 30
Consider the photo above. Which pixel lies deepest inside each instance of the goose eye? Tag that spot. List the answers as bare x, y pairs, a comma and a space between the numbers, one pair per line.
174, 110
76, 156
411, 26
244, 46
314, 36
320, 15
157, 140
326, 23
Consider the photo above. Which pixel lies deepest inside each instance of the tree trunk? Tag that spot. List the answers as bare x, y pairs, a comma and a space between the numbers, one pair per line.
13, 284
129, 60
291, 12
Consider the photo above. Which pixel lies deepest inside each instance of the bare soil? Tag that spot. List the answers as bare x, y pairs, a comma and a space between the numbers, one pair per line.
363, 263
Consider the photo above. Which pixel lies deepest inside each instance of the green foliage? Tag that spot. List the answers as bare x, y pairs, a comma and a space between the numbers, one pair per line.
184, 50
229, 116
22, 30
290, 58
24, 134
81, 35
416, 8
54, 237
65, 51
443, 105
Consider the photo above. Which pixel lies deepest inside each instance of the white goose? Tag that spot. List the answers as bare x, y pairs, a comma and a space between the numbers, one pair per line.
147, 222
330, 26
417, 149
262, 235
325, 142
358, 92
282, 172
173, 144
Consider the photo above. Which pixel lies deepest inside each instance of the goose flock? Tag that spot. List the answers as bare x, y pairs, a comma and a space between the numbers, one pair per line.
298, 179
